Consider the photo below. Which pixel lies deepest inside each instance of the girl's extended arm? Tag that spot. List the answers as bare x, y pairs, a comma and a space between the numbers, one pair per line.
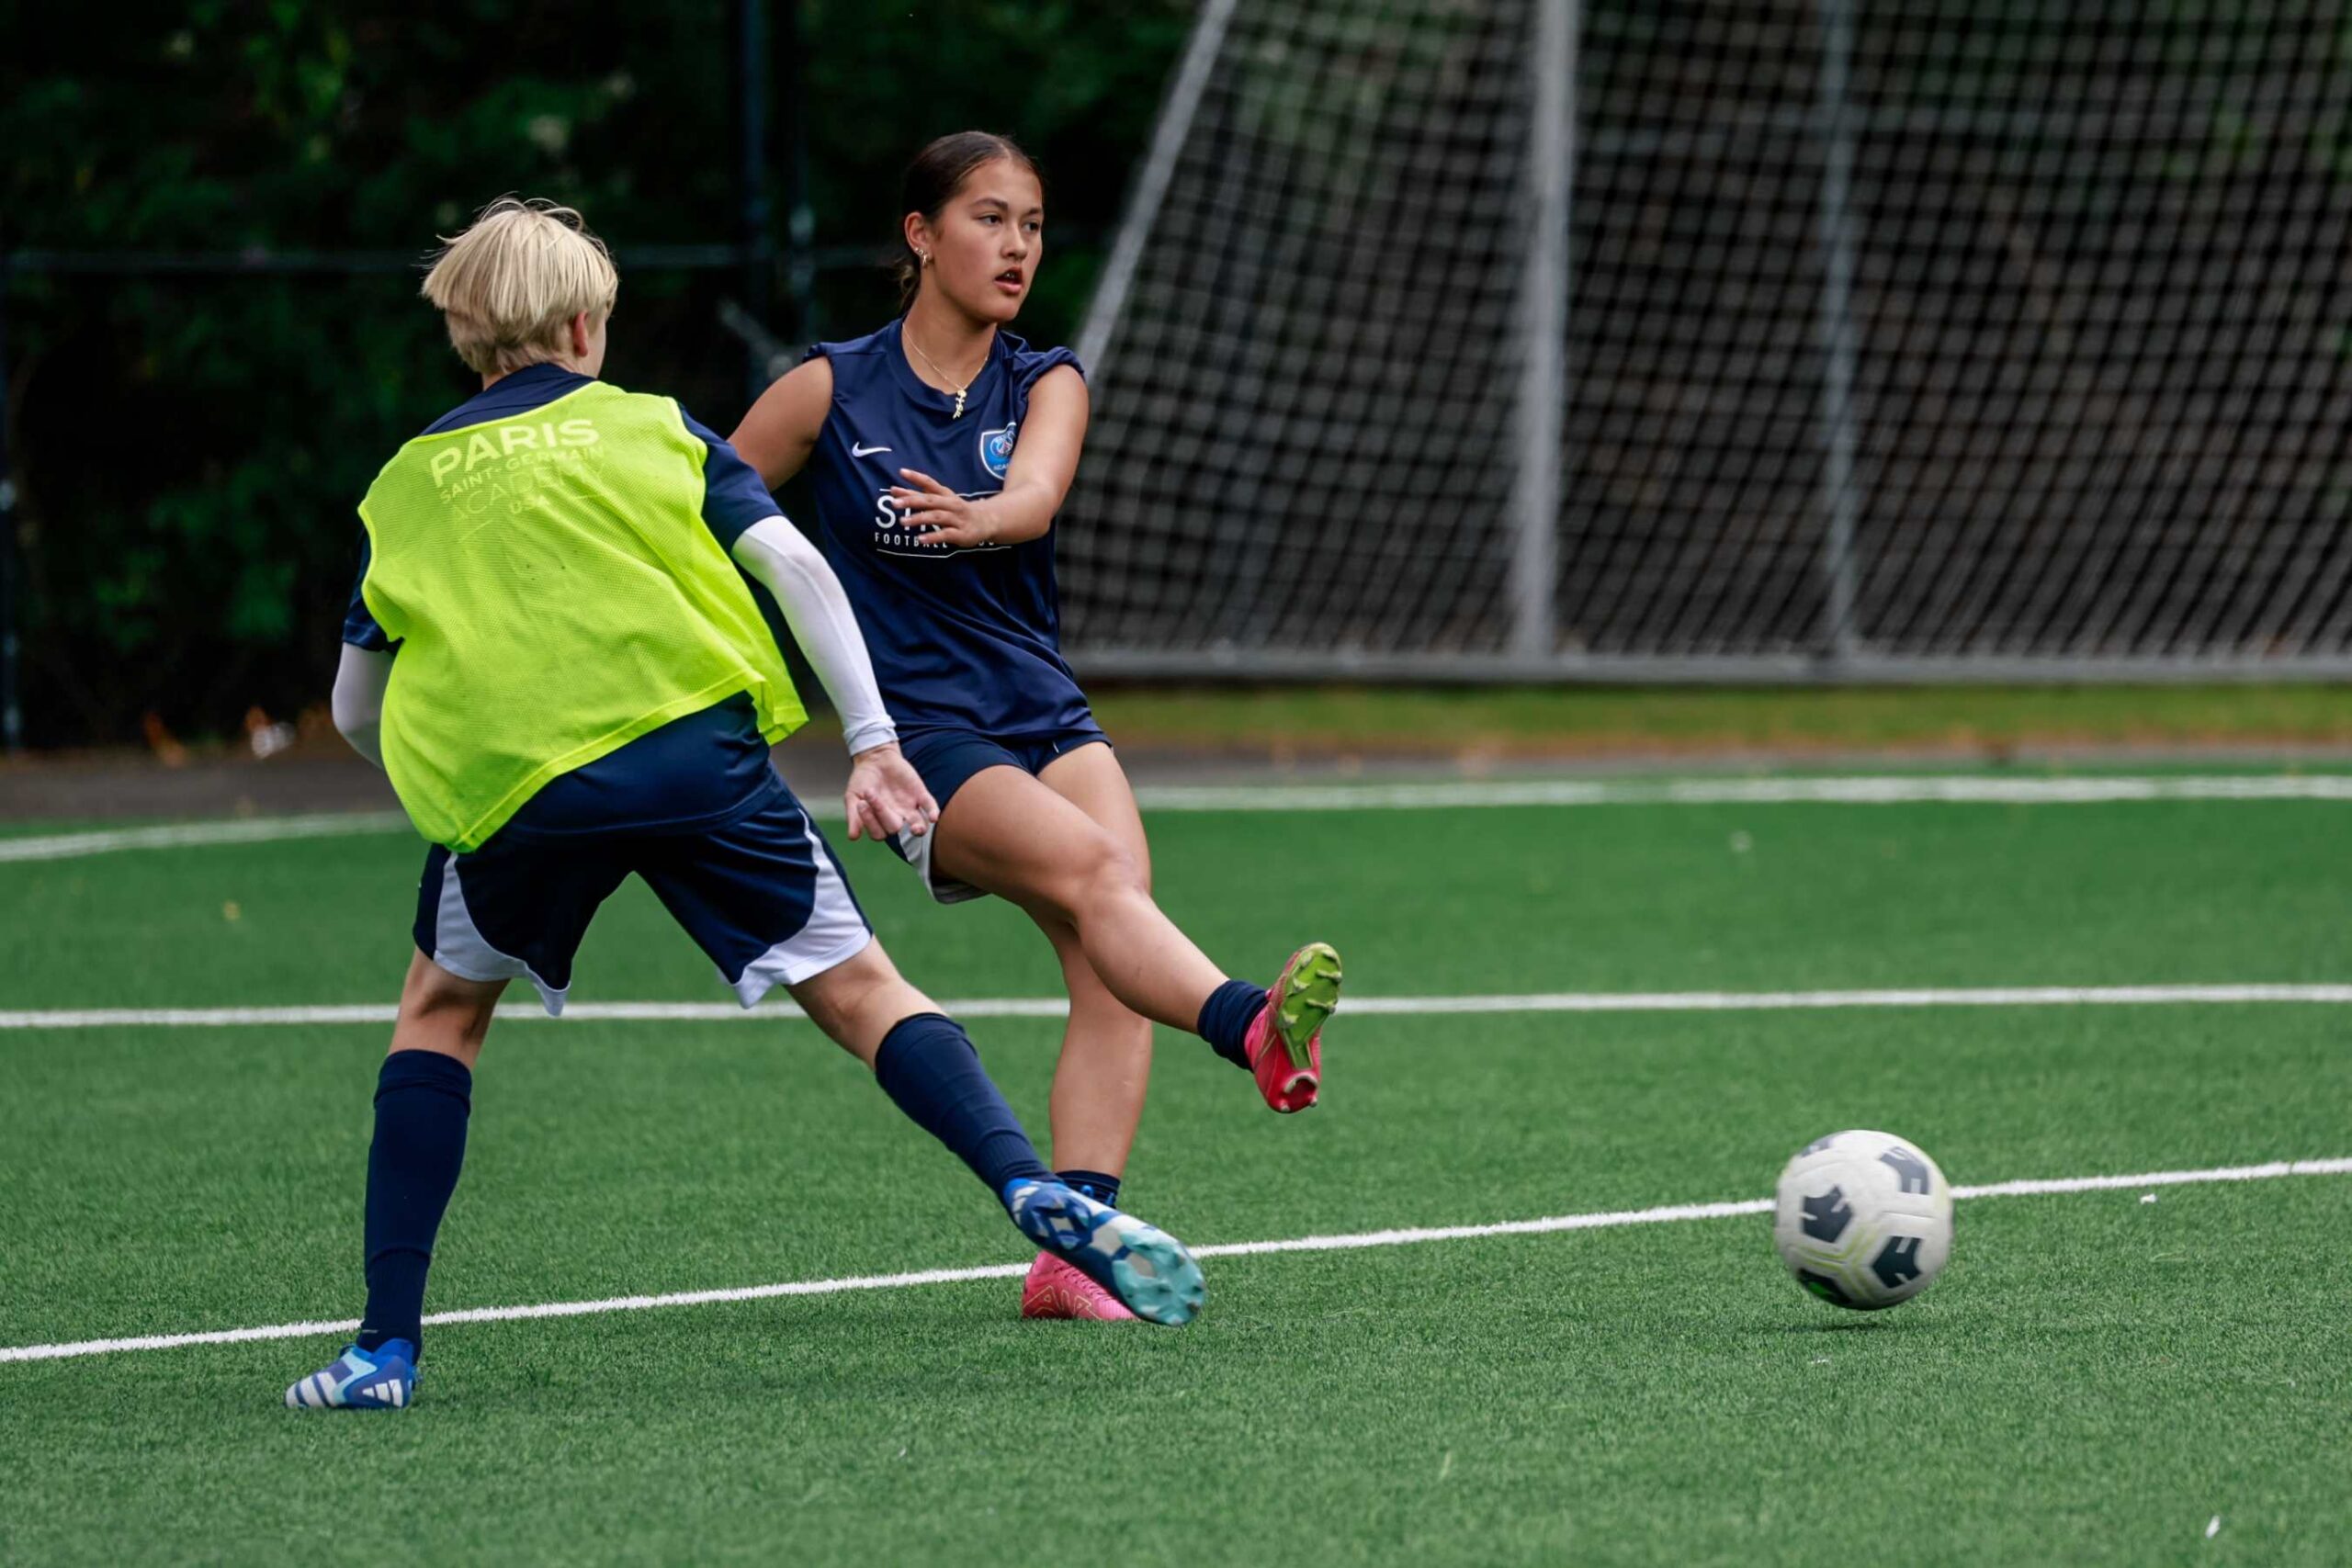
1043, 462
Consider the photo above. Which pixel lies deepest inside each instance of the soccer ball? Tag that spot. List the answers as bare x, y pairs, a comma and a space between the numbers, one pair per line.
1863, 1220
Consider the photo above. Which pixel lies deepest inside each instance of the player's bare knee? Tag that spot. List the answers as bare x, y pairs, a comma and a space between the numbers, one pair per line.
1098, 870
857, 1003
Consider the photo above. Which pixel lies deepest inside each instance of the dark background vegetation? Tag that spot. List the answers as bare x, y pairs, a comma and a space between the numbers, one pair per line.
188, 447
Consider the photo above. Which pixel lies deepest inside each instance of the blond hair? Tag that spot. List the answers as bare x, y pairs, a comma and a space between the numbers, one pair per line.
511, 283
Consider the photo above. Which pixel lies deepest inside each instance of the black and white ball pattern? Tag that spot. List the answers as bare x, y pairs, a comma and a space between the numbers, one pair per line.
1863, 1220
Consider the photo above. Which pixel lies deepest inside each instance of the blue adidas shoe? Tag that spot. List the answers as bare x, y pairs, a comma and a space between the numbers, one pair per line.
1145, 1267
383, 1379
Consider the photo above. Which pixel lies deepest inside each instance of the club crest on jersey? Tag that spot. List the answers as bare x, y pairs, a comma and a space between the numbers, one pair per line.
996, 450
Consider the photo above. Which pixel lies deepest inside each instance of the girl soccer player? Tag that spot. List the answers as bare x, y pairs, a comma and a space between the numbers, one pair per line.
941, 447
551, 651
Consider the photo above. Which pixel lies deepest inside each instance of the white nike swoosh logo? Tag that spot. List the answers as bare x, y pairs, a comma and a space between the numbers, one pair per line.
857, 451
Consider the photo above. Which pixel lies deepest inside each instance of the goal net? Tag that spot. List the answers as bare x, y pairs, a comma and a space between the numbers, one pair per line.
1940, 338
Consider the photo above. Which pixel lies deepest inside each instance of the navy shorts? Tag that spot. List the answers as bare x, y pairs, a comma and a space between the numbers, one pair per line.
759, 892
948, 758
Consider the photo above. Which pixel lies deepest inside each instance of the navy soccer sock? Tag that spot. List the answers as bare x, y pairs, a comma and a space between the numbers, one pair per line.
1226, 1018
927, 1066
423, 1102
1099, 1185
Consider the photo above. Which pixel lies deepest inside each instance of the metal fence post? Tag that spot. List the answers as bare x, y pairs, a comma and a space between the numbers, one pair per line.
800, 324
1543, 330
12, 711
1840, 504
753, 233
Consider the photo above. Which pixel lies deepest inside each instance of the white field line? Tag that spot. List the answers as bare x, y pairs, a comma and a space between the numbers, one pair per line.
240, 831
1893, 790
1358, 1241
526, 1011
1870, 790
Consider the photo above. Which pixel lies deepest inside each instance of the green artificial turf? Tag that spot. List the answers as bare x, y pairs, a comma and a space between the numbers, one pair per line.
2096, 1378
1476, 900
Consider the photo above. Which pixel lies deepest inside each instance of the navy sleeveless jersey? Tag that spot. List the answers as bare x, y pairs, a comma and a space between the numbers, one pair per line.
961, 639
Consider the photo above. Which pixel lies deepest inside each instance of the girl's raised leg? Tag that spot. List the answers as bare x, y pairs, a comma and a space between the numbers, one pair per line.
1010, 834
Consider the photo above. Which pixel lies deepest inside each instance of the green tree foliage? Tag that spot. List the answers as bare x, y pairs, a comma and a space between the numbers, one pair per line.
189, 446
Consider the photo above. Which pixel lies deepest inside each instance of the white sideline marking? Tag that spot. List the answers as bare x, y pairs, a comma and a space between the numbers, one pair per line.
241, 831
1613, 1220
528, 1011
1890, 790
1870, 790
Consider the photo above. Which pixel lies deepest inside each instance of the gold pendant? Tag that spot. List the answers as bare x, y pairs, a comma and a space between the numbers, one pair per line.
959, 407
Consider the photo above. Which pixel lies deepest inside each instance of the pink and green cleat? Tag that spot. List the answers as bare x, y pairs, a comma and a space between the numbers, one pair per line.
1055, 1290
1286, 1040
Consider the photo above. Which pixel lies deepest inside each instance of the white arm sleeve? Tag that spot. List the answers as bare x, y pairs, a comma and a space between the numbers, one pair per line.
823, 624
358, 703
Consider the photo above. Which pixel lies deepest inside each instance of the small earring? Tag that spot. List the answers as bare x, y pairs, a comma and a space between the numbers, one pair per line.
923, 258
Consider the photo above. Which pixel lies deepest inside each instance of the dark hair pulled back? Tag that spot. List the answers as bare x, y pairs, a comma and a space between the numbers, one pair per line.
931, 181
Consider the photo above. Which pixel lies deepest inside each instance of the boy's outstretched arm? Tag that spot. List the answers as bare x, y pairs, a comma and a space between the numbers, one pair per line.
884, 793
359, 701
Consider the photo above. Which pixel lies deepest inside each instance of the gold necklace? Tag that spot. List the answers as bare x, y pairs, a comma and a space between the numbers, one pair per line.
909, 339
